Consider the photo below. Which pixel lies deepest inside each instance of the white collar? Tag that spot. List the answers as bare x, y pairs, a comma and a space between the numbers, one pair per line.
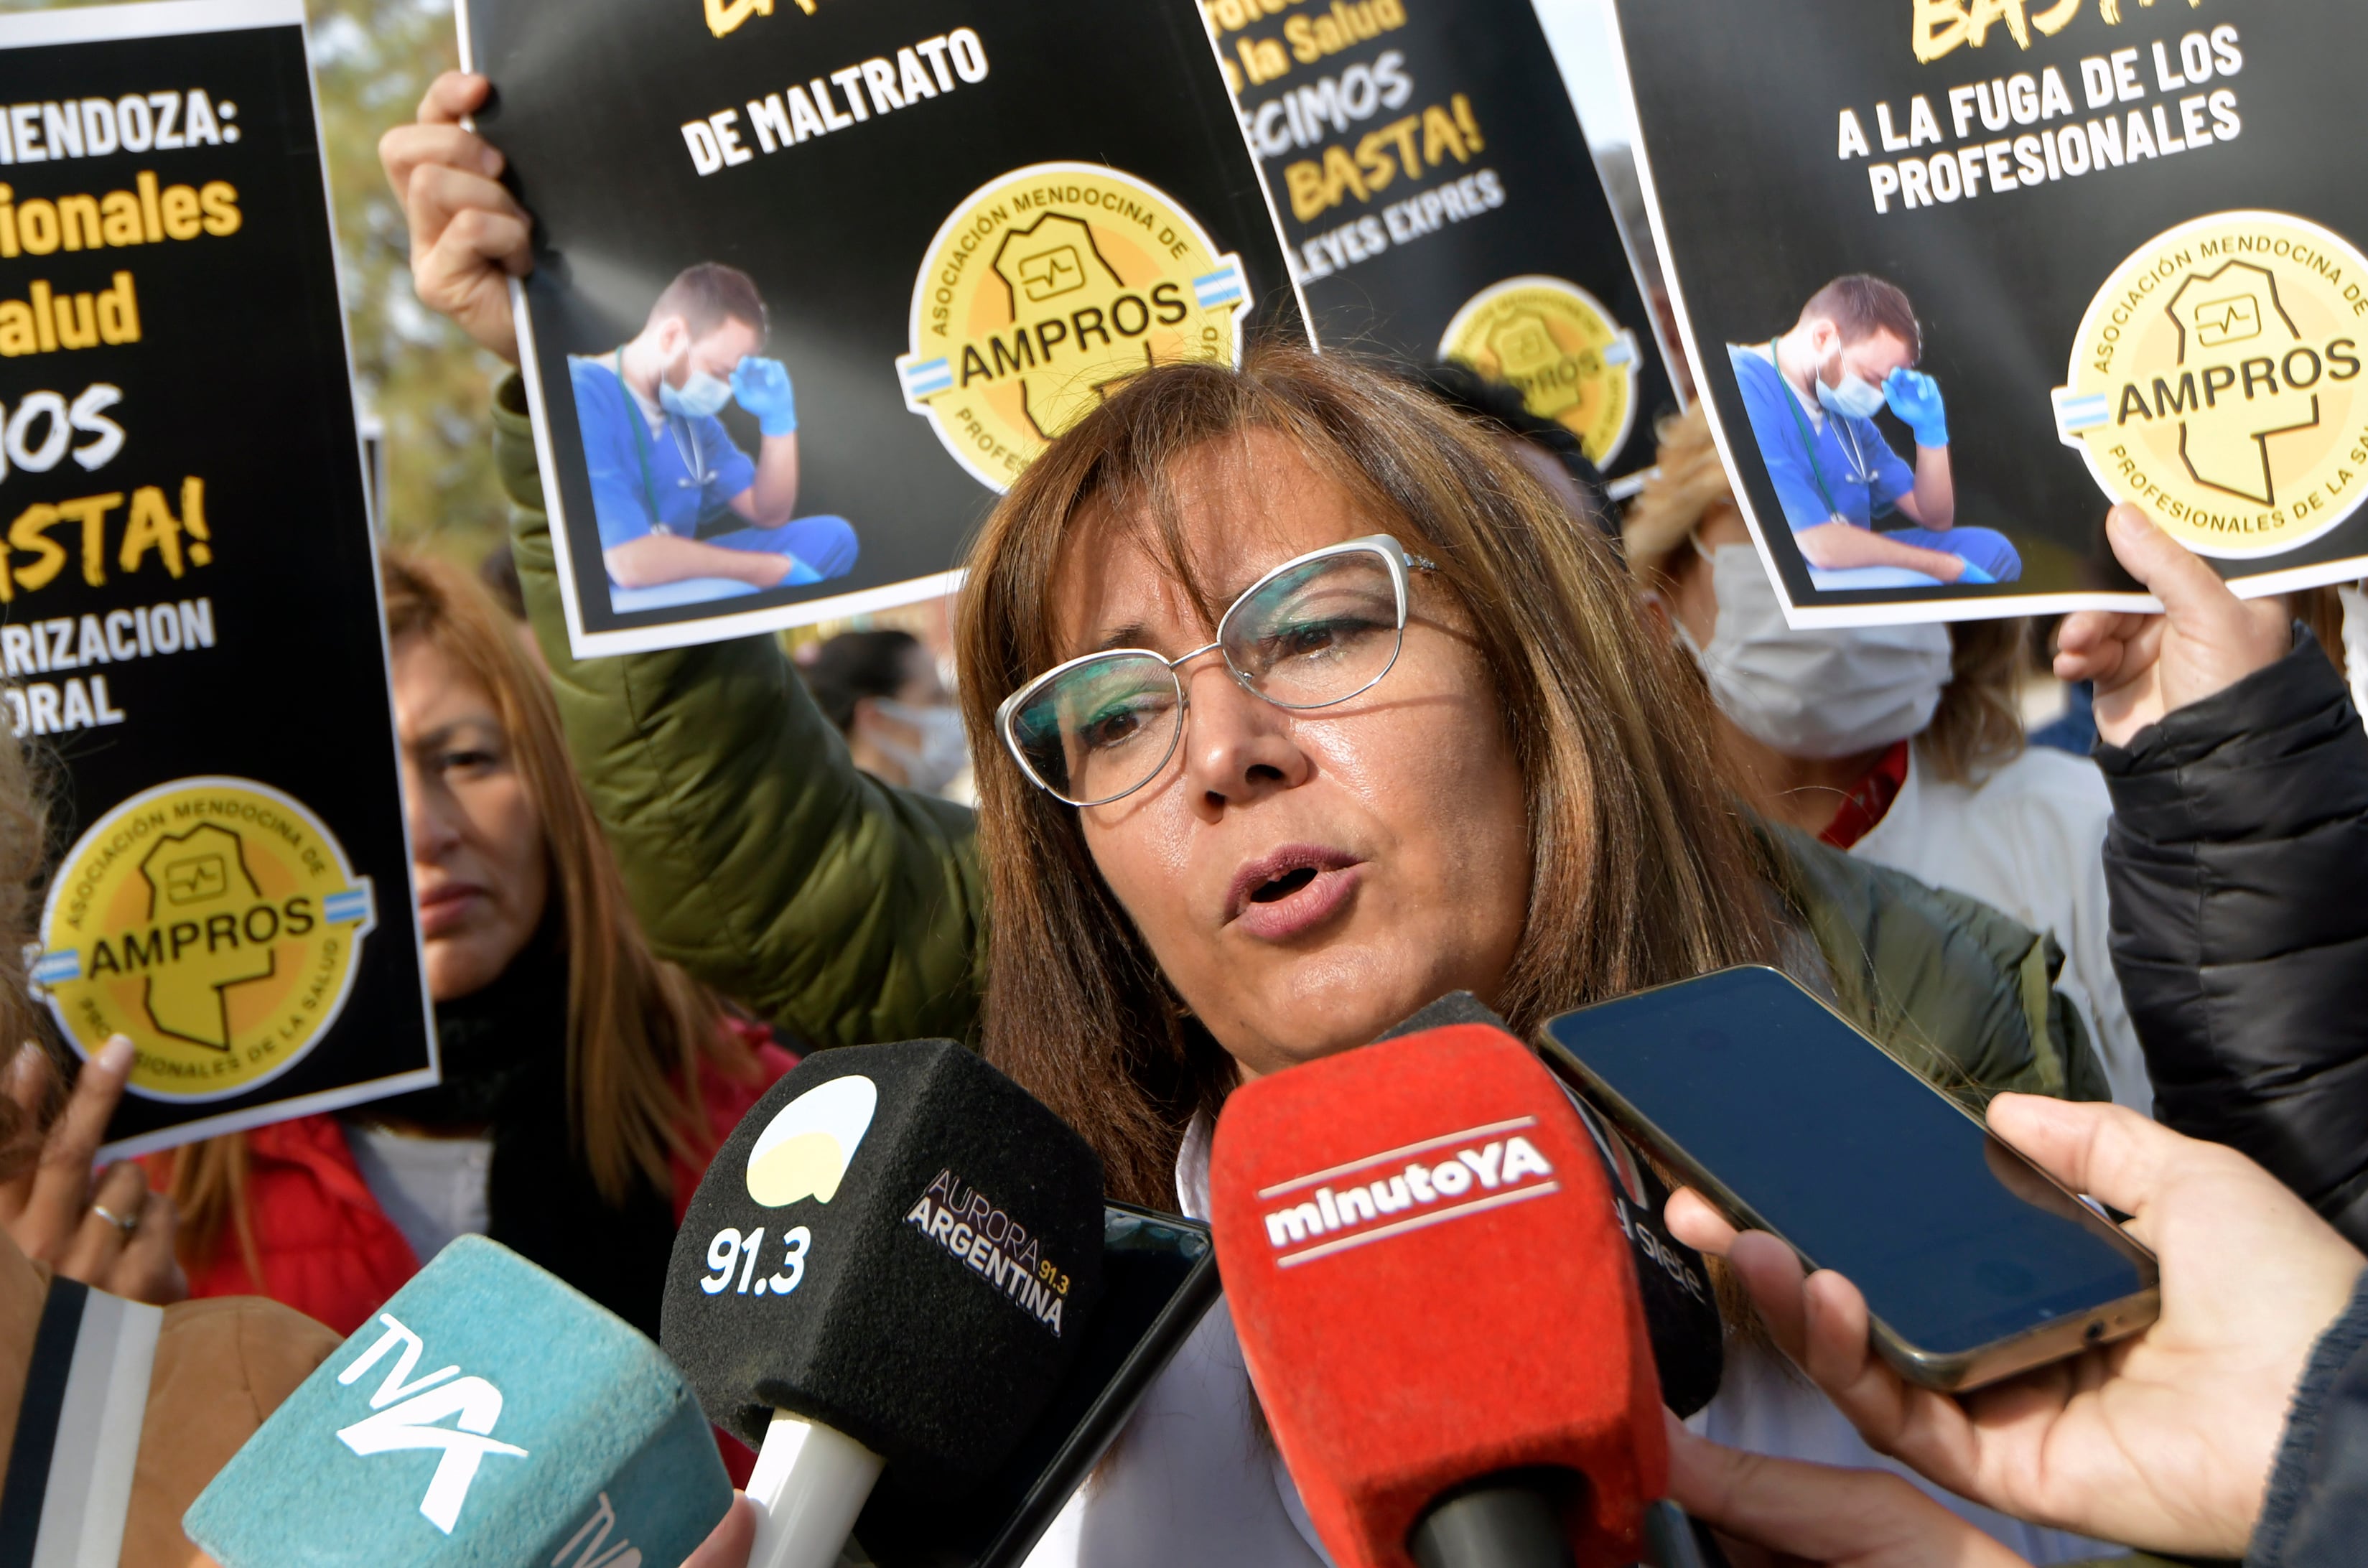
1192, 1168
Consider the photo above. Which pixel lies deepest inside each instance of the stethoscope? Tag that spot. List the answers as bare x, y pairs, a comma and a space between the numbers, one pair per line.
694, 456
1861, 469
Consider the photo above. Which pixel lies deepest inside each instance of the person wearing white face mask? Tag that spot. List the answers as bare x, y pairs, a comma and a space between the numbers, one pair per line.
1813, 395
685, 516
1903, 746
884, 692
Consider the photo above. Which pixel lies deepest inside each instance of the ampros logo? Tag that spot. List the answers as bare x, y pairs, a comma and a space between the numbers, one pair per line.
1486, 1167
1045, 287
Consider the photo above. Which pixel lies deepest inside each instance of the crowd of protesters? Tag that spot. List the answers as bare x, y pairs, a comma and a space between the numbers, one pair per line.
1563, 753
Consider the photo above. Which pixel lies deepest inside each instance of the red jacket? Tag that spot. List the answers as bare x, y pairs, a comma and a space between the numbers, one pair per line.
331, 1253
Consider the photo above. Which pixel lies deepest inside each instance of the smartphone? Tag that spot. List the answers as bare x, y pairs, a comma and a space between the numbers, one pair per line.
1976, 1264
1159, 1276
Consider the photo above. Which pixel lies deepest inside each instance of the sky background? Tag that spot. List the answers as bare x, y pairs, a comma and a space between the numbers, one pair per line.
1580, 32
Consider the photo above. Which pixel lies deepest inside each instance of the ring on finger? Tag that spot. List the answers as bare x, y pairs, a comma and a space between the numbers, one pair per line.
118, 1220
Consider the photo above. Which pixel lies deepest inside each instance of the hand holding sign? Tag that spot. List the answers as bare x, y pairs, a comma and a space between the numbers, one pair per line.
112, 1232
469, 235
2148, 666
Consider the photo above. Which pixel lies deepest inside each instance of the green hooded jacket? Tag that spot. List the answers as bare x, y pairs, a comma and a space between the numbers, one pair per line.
764, 863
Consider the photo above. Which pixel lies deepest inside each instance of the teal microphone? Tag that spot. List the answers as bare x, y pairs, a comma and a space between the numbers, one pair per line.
489, 1416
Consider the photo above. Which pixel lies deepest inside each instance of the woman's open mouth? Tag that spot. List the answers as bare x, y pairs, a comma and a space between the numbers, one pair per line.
1289, 892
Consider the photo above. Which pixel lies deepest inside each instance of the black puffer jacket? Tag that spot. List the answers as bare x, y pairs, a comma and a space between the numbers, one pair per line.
2237, 866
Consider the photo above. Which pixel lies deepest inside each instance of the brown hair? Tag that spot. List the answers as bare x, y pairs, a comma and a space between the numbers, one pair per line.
1977, 729
639, 1029
1862, 305
1642, 870
708, 295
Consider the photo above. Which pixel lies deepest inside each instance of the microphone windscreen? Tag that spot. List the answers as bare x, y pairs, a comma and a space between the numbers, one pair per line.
490, 1416
1418, 1243
1680, 1309
898, 1243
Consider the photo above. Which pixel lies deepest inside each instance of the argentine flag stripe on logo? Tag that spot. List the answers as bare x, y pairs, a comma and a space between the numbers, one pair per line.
345, 908
52, 969
1221, 287
2086, 412
928, 376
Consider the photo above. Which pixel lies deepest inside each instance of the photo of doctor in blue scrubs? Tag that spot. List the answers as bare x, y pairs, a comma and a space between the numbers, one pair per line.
1813, 395
685, 516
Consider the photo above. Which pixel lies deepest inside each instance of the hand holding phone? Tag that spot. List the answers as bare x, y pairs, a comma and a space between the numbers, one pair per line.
2164, 1440
1790, 1120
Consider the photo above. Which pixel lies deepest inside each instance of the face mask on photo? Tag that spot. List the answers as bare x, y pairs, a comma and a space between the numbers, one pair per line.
699, 396
1834, 691
943, 752
1855, 398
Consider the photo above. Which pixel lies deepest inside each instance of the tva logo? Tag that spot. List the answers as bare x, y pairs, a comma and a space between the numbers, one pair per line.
474, 1404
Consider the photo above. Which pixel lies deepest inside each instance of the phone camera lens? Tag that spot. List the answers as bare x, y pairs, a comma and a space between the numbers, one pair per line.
2096, 1332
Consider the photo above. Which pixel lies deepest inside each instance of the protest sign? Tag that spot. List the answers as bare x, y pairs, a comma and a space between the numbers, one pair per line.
2117, 241
1439, 202
815, 282
189, 613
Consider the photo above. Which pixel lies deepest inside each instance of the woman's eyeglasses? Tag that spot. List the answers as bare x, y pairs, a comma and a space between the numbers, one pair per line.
1317, 631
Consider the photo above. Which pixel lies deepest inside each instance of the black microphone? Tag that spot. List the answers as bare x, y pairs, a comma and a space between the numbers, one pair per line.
887, 1266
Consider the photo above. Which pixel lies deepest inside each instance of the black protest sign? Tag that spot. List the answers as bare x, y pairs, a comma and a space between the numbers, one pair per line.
813, 282
189, 600
2127, 236
1440, 200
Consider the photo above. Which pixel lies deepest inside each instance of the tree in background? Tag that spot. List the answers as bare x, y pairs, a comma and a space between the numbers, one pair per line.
428, 384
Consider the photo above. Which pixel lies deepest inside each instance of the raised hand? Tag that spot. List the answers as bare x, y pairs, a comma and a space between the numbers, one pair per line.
1915, 397
763, 390
469, 235
2148, 666
114, 1234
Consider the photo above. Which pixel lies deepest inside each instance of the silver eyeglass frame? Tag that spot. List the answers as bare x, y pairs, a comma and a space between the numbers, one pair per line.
1398, 559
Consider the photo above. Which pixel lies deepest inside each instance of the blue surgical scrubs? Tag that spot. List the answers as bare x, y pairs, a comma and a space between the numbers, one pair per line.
1842, 466
693, 472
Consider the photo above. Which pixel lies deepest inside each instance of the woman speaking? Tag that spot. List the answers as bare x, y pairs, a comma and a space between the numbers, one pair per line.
1295, 704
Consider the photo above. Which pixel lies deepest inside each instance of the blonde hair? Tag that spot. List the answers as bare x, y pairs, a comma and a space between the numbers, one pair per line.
1977, 729
639, 1029
1642, 868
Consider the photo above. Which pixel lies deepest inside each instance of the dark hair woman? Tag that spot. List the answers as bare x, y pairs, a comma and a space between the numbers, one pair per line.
586, 1082
1296, 703
880, 688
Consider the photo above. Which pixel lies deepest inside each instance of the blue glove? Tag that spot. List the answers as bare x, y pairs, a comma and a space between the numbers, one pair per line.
1973, 574
763, 388
1914, 396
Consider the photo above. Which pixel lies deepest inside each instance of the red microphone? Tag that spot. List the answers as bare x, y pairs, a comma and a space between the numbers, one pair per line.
1438, 1308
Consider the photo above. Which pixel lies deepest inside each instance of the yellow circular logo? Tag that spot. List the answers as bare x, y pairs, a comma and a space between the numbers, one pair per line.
2215, 381
217, 923
1047, 286
1554, 340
